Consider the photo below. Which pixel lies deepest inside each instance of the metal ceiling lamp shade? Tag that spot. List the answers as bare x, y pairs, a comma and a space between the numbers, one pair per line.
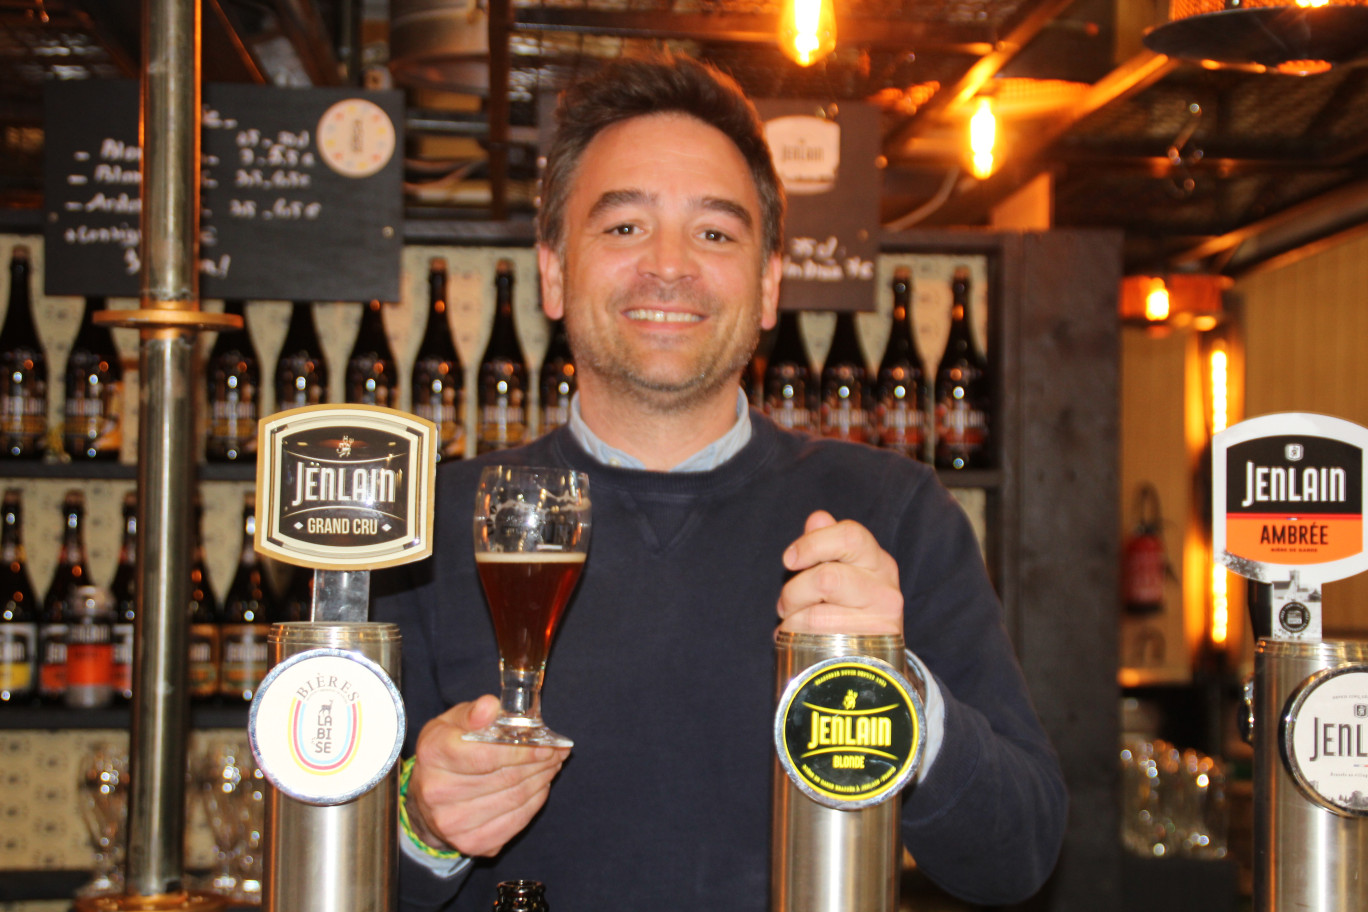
440, 44
1281, 35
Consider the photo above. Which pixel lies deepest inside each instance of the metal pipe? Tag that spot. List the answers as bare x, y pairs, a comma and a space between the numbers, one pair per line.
170, 137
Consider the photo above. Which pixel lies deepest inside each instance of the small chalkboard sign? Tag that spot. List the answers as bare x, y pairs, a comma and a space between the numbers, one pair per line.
827, 163
301, 192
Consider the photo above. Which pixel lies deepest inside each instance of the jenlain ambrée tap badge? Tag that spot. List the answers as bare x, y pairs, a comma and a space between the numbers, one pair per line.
848, 731
344, 488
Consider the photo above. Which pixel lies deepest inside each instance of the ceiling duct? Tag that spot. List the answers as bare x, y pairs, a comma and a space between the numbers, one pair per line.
1281, 35
440, 44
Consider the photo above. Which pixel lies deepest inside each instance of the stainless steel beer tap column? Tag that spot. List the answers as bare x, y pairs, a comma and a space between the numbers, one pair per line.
340, 490
848, 737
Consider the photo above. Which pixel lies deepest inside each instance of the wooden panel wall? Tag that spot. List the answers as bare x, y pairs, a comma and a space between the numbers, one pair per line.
1305, 328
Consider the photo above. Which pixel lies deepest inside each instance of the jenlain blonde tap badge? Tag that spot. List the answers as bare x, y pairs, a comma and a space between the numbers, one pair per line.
848, 731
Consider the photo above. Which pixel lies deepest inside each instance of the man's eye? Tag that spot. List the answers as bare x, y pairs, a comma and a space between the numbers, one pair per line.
622, 230
712, 234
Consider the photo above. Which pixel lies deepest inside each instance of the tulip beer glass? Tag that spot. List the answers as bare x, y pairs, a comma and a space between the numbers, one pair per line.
531, 535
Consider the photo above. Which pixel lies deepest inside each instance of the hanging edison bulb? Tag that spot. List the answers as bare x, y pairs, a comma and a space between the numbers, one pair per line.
982, 138
807, 30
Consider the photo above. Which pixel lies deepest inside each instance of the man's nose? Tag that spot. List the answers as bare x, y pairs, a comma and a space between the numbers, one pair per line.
669, 256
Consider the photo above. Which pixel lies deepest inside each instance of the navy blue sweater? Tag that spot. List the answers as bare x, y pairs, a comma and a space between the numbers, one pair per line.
662, 673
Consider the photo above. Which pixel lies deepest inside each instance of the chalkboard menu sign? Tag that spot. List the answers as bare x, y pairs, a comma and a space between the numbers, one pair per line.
301, 192
827, 162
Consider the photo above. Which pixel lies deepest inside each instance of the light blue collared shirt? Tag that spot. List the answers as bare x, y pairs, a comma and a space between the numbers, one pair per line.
710, 457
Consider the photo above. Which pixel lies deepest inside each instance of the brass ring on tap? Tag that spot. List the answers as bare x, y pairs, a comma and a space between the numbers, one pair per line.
180, 902
168, 318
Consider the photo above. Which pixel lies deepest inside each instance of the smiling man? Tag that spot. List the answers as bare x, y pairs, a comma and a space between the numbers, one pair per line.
659, 242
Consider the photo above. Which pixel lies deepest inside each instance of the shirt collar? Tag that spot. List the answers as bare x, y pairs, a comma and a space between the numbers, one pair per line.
710, 457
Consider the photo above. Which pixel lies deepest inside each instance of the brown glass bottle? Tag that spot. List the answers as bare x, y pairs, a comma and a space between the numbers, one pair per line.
789, 387
124, 589
438, 376
557, 379
92, 417
845, 394
206, 622
72, 571
248, 612
301, 370
502, 387
962, 391
372, 377
234, 379
23, 369
521, 896
18, 607
900, 389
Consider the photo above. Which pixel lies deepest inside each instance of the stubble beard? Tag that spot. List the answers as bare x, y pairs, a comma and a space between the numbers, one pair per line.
624, 373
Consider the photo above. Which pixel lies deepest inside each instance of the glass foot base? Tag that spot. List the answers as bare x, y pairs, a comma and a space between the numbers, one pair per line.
532, 734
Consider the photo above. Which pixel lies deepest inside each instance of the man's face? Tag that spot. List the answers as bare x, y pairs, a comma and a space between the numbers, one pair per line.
662, 278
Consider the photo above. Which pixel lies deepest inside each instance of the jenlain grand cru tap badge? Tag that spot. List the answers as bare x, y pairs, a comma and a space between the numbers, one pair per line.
848, 731
343, 488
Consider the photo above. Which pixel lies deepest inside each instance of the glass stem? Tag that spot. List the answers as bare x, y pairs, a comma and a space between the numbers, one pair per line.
520, 695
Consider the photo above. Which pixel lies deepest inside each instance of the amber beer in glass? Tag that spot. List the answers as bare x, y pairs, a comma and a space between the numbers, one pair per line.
531, 534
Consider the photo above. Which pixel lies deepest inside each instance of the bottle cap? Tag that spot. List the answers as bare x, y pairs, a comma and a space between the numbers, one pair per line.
902, 274
438, 263
20, 252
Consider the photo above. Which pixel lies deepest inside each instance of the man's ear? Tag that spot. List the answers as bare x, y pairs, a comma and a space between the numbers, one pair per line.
769, 291
552, 282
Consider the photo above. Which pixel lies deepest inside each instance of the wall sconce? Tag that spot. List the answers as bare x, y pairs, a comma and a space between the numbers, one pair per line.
807, 30
1173, 301
982, 138
1218, 408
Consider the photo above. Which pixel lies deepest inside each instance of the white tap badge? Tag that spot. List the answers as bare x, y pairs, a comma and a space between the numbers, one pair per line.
1325, 739
345, 487
1287, 494
326, 726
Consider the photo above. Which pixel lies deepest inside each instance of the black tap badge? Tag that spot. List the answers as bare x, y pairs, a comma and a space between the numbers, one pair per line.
849, 732
345, 487
1288, 496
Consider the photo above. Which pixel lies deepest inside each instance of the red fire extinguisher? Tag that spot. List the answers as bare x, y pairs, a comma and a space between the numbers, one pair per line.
1143, 563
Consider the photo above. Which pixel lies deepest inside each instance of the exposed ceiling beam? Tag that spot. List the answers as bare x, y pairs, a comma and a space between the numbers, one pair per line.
1035, 18
749, 28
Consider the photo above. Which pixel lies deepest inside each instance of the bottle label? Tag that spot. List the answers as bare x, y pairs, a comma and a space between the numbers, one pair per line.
844, 420
52, 653
787, 413
93, 420
204, 660
18, 646
901, 426
961, 425
553, 416
502, 424
448, 413
24, 411
246, 657
123, 659
90, 655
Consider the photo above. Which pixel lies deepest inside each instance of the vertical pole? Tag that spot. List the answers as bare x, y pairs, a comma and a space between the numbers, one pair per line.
170, 135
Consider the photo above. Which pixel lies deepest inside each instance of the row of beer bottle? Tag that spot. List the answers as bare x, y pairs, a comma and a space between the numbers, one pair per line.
93, 406
436, 380
944, 419
76, 646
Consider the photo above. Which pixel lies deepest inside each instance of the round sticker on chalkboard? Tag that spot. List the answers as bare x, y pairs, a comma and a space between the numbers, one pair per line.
356, 137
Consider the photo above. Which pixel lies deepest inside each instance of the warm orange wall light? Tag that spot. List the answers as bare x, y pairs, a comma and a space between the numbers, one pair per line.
1218, 363
807, 30
982, 138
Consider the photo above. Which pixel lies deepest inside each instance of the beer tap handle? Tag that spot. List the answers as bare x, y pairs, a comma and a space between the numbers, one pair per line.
341, 596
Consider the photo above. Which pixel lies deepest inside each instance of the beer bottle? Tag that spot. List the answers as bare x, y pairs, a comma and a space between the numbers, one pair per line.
234, 378
301, 371
248, 611
438, 377
71, 571
789, 389
502, 386
205, 636
900, 418
557, 379
23, 369
93, 415
18, 607
372, 376
961, 390
521, 896
845, 400
124, 589
90, 648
